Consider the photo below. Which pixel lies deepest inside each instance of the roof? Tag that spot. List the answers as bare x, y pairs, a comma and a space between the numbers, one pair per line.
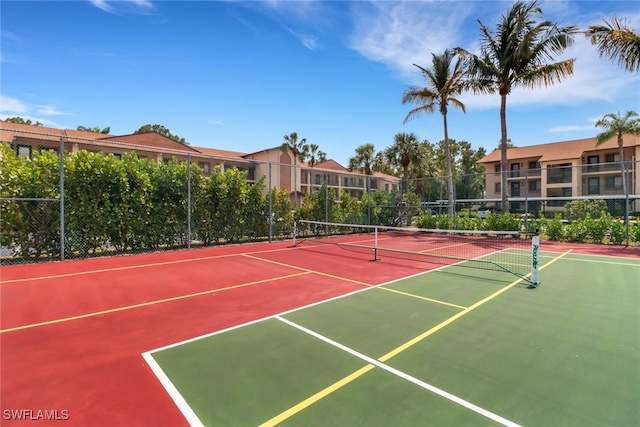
560, 150
151, 139
331, 165
221, 153
9, 131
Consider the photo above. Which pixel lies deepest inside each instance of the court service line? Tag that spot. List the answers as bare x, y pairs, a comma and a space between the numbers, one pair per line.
132, 267
442, 247
145, 304
282, 264
309, 401
372, 362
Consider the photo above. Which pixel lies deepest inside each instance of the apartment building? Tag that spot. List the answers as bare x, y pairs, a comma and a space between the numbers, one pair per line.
564, 170
280, 169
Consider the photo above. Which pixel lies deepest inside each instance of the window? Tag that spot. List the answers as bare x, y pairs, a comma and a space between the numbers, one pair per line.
535, 186
557, 174
318, 179
593, 185
614, 183
515, 189
515, 170
559, 192
497, 188
592, 161
613, 158
534, 165
24, 151
497, 168
117, 156
206, 167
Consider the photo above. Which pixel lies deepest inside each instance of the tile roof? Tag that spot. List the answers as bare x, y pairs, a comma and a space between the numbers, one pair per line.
221, 153
559, 150
151, 139
9, 131
330, 165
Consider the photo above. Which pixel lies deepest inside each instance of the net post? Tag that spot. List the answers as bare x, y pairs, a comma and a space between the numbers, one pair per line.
295, 233
375, 244
535, 260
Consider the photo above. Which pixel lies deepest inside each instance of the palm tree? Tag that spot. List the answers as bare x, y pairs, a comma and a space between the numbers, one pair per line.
404, 151
617, 125
291, 143
363, 159
518, 55
616, 40
313, 154
444, 81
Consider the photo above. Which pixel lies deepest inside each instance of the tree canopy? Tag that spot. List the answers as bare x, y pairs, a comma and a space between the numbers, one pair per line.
162, 131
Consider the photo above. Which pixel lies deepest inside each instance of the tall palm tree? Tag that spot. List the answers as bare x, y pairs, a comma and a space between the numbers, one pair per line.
404, 151
291, 143
363, 159
618, 125
444, 81
313, 154
615, 39
518, 55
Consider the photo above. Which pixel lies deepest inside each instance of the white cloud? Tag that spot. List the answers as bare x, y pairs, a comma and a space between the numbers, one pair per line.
11, 106
216, 122
110, 5
400, 34
309, 41
48, 110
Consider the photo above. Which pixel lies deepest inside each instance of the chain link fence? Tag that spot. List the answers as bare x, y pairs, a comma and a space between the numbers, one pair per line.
130, 203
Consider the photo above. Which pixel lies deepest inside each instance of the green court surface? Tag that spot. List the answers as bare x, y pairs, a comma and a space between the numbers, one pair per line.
455, 346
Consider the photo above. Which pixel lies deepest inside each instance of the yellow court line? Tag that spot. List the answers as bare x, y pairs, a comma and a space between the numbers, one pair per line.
421, 297
131, 267
144, 304
325, 392
308, 270
311, 400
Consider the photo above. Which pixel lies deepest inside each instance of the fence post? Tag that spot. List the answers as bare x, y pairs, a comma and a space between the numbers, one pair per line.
270, 206
188, 200
625, 171
61, 173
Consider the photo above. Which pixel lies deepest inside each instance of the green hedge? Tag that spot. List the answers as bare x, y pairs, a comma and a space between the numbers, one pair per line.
131, 205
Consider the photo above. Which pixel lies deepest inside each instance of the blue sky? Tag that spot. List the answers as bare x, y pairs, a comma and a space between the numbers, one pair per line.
239, 75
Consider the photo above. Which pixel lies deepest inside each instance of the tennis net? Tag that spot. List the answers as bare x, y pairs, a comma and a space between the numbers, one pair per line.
510, 251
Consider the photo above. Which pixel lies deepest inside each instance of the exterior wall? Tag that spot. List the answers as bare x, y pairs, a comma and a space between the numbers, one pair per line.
297, 179
594, 172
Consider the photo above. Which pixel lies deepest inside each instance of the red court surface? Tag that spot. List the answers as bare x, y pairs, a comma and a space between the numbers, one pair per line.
72, 333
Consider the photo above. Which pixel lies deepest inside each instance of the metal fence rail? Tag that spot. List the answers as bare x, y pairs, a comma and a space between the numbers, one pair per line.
37, 229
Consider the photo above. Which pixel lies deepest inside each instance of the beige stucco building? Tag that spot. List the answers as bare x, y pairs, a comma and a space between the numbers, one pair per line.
280, 169
564, 170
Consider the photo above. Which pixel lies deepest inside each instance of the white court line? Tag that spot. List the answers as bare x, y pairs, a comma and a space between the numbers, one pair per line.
595, 261
405, 376
184, 407
182, 404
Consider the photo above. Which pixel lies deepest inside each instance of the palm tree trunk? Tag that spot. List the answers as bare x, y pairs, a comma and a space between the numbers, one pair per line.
624, 178
503, 153
447, 153
624, 187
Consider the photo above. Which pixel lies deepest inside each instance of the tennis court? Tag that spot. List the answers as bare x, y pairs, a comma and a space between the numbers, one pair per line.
268, 334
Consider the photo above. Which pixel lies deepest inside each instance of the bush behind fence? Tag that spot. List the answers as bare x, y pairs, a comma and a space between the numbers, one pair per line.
131, 205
